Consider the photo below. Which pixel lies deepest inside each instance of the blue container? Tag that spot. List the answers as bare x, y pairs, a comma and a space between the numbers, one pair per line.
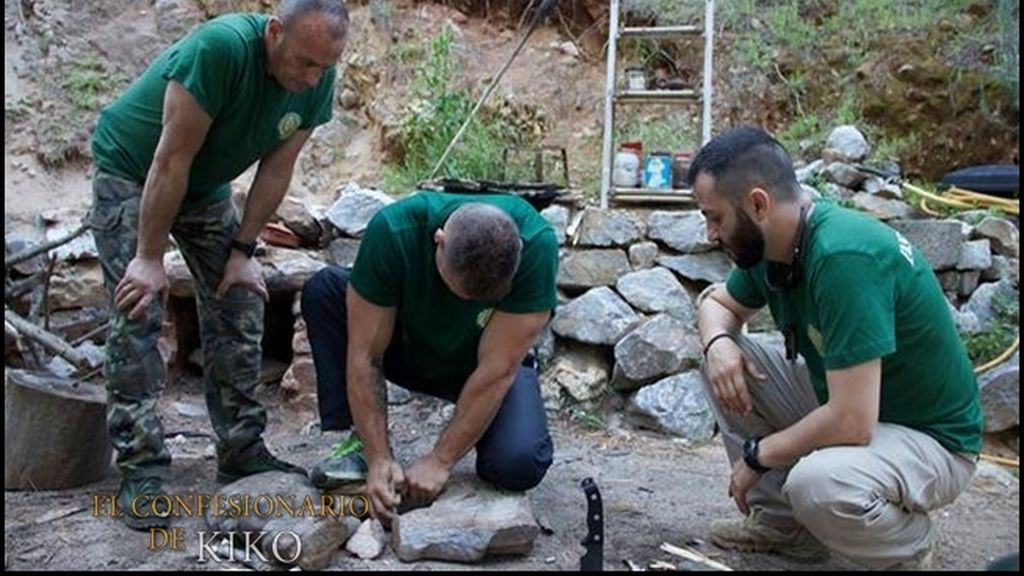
658, 171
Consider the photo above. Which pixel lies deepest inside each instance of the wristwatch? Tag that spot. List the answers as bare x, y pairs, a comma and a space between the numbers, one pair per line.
750, 449
247, 248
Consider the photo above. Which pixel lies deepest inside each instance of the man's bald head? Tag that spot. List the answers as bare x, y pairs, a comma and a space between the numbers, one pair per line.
481, 251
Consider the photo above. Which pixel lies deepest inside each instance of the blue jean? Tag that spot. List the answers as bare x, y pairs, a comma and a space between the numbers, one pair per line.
515, 450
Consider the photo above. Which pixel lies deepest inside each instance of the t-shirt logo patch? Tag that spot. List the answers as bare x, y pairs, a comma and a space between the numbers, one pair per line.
815, 337
483, 317
906, 248
288, 125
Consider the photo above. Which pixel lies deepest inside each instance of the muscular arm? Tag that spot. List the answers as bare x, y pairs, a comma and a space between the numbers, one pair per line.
185, 125
848, 418
270, 186
503, 345
726, 366
370, 329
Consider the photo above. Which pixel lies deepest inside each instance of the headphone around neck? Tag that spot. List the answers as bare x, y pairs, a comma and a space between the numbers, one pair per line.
779, 276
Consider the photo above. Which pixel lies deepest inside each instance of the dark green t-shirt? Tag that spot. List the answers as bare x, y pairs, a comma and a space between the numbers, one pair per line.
222, 63
867, 293
396, 268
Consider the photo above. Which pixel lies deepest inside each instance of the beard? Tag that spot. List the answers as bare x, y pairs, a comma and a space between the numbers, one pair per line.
746, 247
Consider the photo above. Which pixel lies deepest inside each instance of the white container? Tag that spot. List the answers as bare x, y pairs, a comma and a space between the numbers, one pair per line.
635, 79
626, 170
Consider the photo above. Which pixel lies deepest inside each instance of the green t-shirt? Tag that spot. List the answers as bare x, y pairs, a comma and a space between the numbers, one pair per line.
396, 268
222, 63
867, 293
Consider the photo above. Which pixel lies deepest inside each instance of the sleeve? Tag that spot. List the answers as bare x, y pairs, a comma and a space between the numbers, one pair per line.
854, 300
376, 273
206, 64
321, 108
534, 286
744, 289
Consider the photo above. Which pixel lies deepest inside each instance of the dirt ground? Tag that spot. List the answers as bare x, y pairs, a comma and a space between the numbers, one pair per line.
655, 490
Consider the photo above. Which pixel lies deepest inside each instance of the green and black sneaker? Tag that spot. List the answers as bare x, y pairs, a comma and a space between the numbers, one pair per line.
253, 460
345, 466
135, 502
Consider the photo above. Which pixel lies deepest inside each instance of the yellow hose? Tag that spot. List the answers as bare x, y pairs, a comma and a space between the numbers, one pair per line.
999, 359
961, 199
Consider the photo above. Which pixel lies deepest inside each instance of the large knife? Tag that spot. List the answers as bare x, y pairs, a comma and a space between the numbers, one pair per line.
593, 560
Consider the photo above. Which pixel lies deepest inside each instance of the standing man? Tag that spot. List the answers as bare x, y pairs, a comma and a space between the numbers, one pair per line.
881, 423
447, 296
239, 89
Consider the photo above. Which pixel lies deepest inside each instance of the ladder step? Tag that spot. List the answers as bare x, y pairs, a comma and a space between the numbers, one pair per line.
655, 96
653, 195
661, 31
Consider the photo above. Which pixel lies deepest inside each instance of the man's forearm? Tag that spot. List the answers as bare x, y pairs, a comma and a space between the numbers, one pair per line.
162, 194
824, 426
368, 403
713, 318
474, 411
265, 196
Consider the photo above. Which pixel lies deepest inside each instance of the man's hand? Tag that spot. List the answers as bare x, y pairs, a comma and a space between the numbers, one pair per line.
384, 481
425, 480
742, 480
144, 279
245, 272
726, 369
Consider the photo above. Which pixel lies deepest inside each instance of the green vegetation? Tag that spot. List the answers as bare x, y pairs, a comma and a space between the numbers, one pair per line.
986, 346
431, 121
90, 84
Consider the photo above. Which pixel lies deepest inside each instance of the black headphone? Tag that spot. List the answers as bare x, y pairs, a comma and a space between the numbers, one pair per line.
779, 276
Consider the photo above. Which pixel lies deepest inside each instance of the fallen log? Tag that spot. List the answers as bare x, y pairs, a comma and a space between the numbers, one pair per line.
51, 341
55, 434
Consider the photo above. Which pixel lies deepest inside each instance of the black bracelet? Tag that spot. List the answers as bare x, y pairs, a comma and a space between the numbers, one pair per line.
714, 338
751, 450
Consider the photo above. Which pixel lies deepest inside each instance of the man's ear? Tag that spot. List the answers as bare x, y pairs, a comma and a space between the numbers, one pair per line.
275, 30
439, 237
760, 202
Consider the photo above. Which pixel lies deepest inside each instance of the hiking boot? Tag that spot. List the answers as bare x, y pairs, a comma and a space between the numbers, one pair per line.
750, 535
142, 492
252, 460
344, 466
926, 561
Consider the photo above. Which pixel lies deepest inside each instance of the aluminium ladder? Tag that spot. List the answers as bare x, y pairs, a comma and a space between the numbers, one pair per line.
614, 96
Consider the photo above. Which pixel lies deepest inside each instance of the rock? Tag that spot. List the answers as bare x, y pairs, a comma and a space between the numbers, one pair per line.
178, 275
969, 280
642, 255
1000, 395
810, 171
570, 49
558, 217
1004, 236
846, 144
354, 209
285, 271
833, 190
300, 339
81, 248
707, 267
656, 290
682, 231
599, 316
289, 486
966, 322
939, 240
319, 537
583, 269
14, 245
77, 285
844, 174
661, 346
544, 347
398, 395
348, 99
998, 270
582, 371
974, 255
189, 409
343, 251
297, 217
810, 191
369, 540
676, 405
882, 208
300, 379
605, 228
468, 522
987, 299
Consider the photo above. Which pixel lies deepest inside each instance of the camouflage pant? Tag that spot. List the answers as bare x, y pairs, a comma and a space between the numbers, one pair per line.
231, 329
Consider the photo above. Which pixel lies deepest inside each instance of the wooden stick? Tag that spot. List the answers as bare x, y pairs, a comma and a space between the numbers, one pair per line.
44, 247
91, 333
51, 341
18, 288
1003, 461
693, 557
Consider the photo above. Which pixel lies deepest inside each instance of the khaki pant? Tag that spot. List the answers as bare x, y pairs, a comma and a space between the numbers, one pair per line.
869, 503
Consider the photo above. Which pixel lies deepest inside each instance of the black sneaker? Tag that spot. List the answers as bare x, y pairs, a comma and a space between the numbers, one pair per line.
345, 466
144, 515
253, 460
